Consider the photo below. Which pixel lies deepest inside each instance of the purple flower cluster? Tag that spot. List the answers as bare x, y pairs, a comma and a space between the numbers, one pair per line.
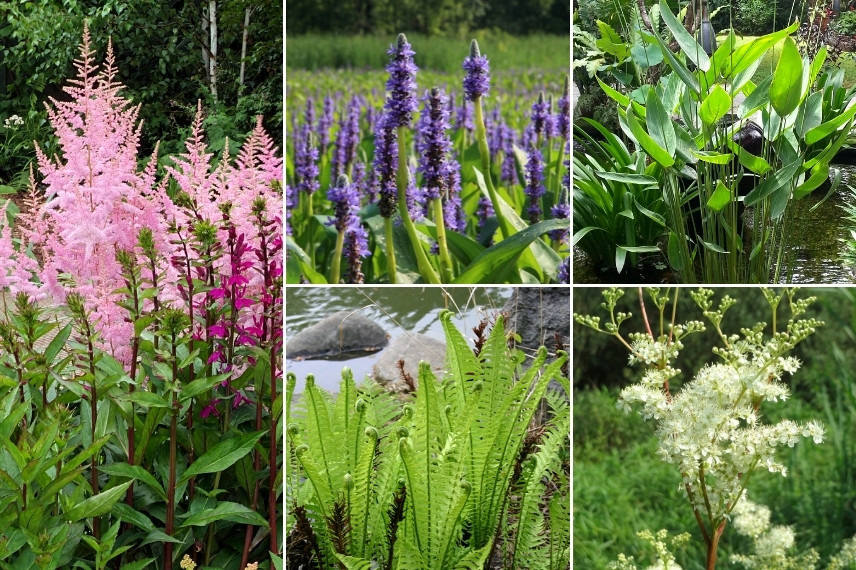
453, 211
508, 173
564, 271
484, 210
305, 157
434, 144
325, 121
291, 194
356, 247
541, 116
346, 201
348, 138
534, 183
477, 79
386, 151
562, 210
401, 102
464, 117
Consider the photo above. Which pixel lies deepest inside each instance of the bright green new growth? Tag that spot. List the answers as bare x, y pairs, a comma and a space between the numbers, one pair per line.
455, 452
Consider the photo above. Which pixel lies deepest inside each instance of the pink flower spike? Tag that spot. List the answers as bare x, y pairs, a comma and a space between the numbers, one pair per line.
245, 340
237, 280
217, 293
216, 356
242, 303
239, 400
218, 331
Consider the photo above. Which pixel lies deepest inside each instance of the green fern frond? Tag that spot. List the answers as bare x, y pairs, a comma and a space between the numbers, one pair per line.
353, 562
360, 502
475, 559
408, 556
461, 363
560, 527
320, 436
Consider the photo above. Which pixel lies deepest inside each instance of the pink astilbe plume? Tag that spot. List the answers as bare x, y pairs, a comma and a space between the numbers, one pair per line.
95, 198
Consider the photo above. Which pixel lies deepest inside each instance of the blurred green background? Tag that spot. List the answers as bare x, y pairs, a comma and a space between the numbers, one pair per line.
620, 487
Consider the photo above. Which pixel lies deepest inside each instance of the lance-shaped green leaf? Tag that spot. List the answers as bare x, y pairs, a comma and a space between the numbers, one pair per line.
786, 89
225, 511
648, 144
223, 455
134, 472
659, 123
720, 197
97, 505
819, 175
773, 183
825, 129
689, 45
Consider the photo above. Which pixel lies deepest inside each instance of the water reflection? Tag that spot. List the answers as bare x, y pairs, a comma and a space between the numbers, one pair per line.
395, 309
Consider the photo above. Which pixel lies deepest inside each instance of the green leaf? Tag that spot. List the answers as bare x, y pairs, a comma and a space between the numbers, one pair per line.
225, 511
715, 105
819, 175
786, 88
97, 505
618, 96
145, 399
659, 123
277, 561
200, 385
140, 564
496, 262
773, 183
611, 43
133, 516
676, 258
159, 536
713, 157
720, 197
627, 178
223, 455
639, 135
56, 344
134, 472
352, 562
825, 129
689, 45
713, 247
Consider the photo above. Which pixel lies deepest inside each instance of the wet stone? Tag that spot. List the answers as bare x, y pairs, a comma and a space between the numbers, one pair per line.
341, 335
411, 347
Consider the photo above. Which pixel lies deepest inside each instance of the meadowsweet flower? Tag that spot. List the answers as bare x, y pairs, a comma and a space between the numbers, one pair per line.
534, 183
187, 563
252, 566
13, 122
434, 144
401, 102
477, 79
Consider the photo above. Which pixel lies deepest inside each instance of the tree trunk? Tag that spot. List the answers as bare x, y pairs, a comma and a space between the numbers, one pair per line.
212, 48
246, 34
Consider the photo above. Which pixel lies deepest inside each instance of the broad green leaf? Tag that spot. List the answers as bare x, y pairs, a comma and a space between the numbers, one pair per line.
713, 247
277, 561
650, 146
748, 54
133, 516
713, 157
715, 105
145, 399
223, 455
819, 175
786, 88
159, 536
97, 505
659, 123
825, 129
646, 55
811, 114
720, 197
619, 97
496, 262
611, 43
134, 472
56, 344
689, 45
780, 178
628, 178
200, 385
225, 511
758, 98
749, 161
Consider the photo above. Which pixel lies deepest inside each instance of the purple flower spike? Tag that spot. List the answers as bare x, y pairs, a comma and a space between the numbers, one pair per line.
385, 160
477, 80
534, 183
540, 115
305, 167
401, 85
434, 144
564, 273
562, 211
346, 201
325, 121
356, 247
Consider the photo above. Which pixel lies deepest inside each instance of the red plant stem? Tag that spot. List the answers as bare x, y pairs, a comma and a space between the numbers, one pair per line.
645, 313
173, 438
273, 516
93, 401
191, 485
712, 546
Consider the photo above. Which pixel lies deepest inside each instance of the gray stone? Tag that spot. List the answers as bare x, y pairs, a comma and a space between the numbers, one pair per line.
337, 335
411, 348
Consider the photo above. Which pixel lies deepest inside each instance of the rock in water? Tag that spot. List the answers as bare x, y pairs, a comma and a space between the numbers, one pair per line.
343, 334
411, 348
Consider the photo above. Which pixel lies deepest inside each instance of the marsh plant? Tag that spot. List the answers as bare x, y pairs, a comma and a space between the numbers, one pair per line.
454, 478
712, 429
727, 209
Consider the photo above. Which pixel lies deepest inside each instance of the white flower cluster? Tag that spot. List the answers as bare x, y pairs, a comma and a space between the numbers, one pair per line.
13, 122
772, 544
664, 554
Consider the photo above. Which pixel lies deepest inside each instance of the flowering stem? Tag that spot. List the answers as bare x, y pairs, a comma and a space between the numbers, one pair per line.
390, 251
401, 179
173, 439
484, 151
337, 258
445, 259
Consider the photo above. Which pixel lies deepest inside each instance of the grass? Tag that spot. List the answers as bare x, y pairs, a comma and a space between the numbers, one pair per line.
506, 52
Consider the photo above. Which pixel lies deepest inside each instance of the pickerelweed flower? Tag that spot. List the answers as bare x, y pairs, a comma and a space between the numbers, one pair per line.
477, 79
453, 211
347, 138
508, 173
385, 161
564, 271
305, 162
434, 144
356, 248
401, 85
325, 121
484, 210
540, 116
346, 202
563, 117
534, 183
561, 211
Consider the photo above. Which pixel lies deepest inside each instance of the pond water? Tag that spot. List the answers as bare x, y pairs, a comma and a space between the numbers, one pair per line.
817, 237
396, 309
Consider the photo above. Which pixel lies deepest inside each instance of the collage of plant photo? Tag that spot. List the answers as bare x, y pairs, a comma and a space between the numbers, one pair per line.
285, 284
714, 404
